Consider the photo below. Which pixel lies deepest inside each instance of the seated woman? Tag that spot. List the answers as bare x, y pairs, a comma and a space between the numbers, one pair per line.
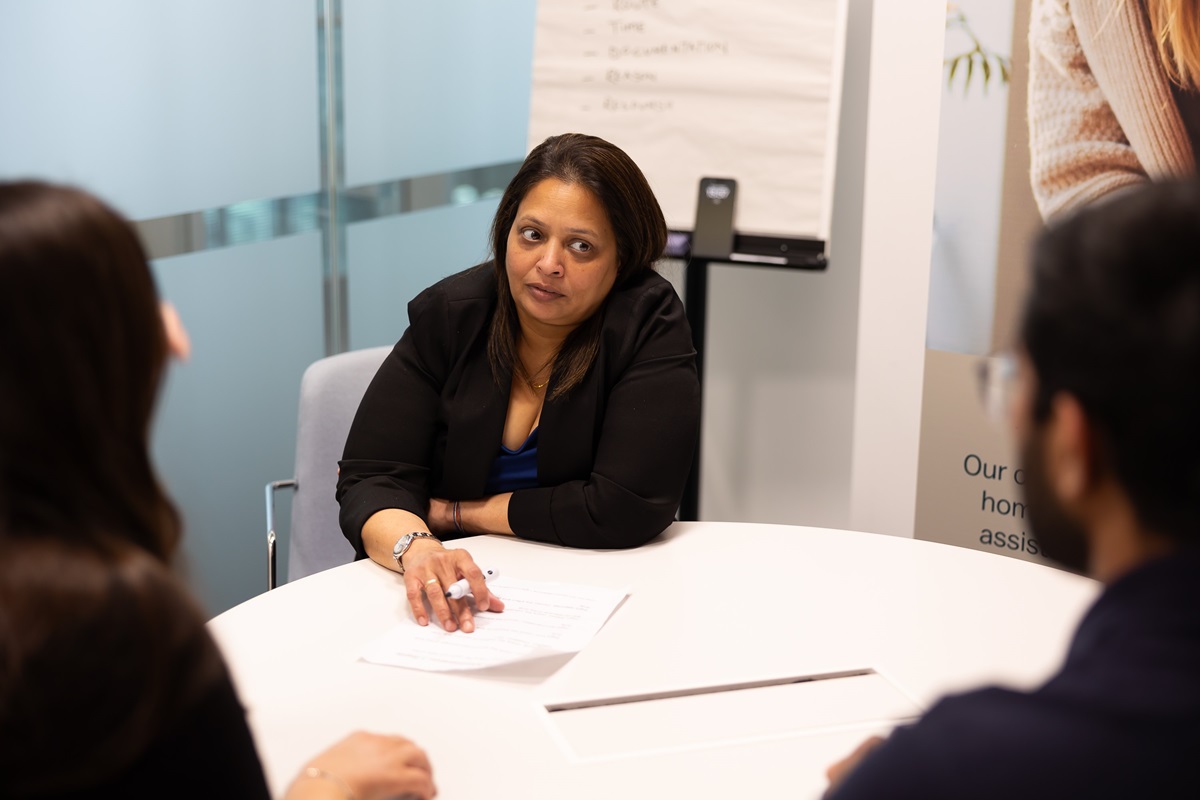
110, 685
550, 394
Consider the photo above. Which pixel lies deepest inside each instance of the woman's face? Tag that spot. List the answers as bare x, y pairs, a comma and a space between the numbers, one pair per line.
561, 257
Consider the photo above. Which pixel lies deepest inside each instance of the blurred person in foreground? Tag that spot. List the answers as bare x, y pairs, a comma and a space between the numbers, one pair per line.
1105, 406
110, 684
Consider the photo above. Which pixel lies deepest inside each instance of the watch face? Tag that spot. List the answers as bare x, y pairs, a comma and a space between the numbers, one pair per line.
401, 545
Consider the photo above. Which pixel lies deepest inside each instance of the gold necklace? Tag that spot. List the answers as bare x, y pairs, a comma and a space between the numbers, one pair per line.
528, 375
537, 387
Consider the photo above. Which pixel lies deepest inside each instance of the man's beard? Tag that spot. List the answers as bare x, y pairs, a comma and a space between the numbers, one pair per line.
1061, 538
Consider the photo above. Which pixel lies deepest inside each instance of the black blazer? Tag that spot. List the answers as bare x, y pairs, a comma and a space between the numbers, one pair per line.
613, 454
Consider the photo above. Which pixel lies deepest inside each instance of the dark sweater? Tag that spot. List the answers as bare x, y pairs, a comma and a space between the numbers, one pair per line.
1121, 719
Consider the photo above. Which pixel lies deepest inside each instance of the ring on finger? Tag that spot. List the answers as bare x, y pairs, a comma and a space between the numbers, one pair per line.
431, 580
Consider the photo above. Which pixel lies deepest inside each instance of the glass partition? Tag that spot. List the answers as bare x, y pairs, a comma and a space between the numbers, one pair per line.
298, 171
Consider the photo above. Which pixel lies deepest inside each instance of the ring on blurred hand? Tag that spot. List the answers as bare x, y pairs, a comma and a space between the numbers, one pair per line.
431, 580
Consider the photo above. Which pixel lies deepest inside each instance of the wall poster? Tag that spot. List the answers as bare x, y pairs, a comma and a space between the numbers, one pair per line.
1047, 106
969, 482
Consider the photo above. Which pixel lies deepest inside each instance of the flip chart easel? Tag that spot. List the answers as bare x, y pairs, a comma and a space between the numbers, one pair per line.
750, 251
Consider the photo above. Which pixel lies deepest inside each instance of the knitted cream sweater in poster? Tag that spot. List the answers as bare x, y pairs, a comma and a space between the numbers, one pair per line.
1101, 114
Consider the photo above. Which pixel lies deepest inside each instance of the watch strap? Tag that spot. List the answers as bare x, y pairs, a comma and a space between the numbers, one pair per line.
405, 542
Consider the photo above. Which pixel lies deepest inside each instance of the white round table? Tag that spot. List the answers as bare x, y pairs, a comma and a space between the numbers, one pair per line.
711, 605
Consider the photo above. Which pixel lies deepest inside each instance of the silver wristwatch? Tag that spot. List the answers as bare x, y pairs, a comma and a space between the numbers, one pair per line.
405, 542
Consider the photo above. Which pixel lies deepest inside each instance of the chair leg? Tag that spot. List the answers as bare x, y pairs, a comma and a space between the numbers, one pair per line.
271, 488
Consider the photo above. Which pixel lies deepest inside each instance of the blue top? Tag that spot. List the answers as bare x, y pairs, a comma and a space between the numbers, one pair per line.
514, 469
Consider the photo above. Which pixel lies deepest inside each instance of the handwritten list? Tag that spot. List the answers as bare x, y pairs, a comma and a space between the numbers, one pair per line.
694, 88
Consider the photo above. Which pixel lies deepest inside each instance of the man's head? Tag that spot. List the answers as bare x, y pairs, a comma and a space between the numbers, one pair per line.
1109, 419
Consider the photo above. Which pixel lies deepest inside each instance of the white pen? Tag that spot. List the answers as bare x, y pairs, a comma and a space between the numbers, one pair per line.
461, 588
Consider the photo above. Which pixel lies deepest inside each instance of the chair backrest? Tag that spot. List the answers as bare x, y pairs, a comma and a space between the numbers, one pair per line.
330, 392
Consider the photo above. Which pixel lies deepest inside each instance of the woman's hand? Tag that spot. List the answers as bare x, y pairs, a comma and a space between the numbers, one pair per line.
367, 766
481, 515
441, 516
430, 568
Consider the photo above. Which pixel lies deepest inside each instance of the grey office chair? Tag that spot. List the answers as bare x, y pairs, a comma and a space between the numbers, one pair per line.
330, 392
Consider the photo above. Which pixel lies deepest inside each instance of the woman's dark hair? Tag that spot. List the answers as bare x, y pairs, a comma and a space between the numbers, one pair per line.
104, 659
637, 222
1113, 319
83, 351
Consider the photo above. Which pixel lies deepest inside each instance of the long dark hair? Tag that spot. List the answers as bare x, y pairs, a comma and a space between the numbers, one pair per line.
637, 222
102, 658
82, 352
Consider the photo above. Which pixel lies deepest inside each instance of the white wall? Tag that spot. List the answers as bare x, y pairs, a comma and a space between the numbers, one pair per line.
779, 371
813, 380
906, 69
